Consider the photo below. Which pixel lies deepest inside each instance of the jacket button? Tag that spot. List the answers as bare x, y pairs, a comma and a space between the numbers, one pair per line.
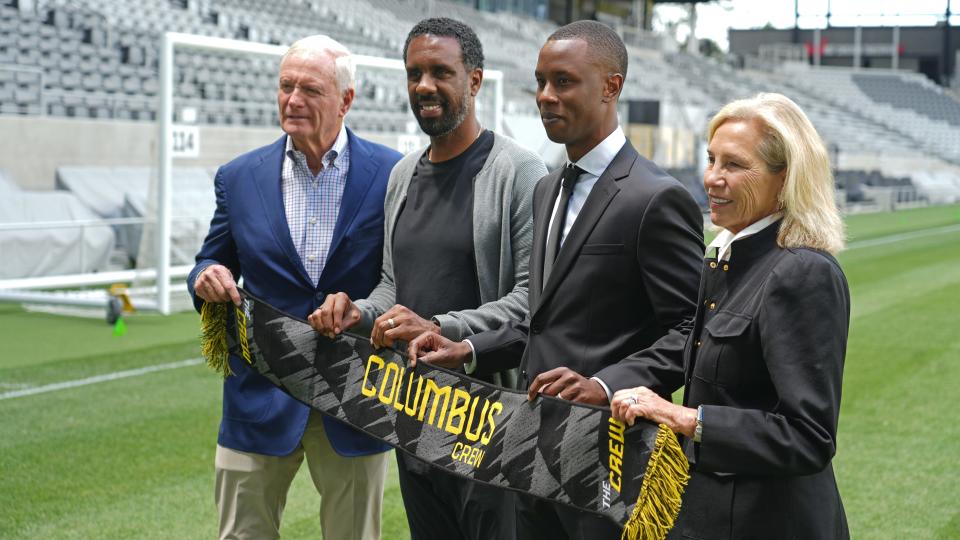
726, 267
536, 328
713, 264
713, 305
698, 343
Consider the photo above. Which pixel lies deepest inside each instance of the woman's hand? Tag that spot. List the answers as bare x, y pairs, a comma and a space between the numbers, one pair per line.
641, 402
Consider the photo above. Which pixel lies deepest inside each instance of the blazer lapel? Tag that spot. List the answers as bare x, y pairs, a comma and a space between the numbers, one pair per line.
600, 196
540, 226
267, 179
359, 179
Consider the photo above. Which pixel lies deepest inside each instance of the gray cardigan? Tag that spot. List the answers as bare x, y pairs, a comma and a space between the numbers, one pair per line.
503, 188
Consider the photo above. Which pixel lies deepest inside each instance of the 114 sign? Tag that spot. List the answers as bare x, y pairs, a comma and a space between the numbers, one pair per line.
185, 141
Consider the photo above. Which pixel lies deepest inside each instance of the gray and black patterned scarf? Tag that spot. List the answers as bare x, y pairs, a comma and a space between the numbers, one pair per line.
568, 453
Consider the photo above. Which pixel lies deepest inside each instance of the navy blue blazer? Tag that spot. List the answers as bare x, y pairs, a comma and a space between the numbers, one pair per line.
249, 235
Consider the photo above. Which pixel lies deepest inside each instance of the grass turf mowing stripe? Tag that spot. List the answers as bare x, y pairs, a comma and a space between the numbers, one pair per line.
894, 238
98, 379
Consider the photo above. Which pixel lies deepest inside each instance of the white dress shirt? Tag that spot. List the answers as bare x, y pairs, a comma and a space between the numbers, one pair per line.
593, 163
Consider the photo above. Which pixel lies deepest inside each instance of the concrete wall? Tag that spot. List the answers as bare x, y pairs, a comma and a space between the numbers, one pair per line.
32, 147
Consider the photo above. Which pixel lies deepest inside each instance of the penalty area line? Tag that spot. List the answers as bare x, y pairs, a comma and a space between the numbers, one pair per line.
66, 385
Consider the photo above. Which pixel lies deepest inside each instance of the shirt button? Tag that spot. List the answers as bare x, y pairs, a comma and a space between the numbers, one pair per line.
311, 258
713, 264
313, 221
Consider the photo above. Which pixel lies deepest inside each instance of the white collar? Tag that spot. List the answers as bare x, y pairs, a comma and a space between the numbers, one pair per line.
333, 155
600, 156
723, 242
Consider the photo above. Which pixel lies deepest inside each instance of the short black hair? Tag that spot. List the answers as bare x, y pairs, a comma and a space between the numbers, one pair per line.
602, 40
471, 51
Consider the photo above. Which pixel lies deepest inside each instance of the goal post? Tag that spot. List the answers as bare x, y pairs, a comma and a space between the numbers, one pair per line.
490, 105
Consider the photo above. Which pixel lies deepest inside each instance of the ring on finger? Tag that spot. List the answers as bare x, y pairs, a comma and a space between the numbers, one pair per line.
632, 400
391, 323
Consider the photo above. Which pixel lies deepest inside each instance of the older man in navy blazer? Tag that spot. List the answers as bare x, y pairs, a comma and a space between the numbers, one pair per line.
297, 219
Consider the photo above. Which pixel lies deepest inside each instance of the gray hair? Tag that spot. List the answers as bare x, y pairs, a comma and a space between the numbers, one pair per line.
319, 44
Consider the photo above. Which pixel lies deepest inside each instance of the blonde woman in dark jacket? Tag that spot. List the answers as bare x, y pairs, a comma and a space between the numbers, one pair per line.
764, 364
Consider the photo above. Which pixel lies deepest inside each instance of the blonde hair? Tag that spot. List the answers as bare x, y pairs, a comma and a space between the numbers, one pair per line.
811, 218
319, 44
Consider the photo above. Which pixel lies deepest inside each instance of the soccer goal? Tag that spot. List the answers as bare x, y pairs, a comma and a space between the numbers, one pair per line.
217, 97
380, 108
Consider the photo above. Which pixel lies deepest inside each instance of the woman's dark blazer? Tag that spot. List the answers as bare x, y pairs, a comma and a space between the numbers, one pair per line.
765, 360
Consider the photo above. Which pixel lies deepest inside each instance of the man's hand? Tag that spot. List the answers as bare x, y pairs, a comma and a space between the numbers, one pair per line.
399, 323
565, 383
433, 348
215, 284
337, 314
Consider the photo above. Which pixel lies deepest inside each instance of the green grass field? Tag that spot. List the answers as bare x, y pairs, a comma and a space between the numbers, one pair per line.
133, 457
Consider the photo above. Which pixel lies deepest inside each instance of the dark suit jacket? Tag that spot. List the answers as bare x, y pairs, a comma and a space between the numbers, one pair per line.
625, 279
249, 235
765, 360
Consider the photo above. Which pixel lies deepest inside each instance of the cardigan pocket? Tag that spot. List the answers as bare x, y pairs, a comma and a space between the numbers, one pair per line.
717, 355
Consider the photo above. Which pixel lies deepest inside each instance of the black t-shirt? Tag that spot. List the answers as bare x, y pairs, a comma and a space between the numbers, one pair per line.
433, 261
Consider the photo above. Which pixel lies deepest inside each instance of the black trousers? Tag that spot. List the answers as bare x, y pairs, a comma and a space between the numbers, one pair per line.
538, 519
441, 506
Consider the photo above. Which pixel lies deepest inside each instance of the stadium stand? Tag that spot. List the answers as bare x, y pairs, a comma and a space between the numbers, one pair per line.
916, 94
96, 63
891, 99
84, 58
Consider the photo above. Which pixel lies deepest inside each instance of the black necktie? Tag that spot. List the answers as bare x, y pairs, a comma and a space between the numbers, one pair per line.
569, 179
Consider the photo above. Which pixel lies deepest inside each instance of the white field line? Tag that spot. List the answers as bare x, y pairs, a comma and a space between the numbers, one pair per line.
893, 238
98, 379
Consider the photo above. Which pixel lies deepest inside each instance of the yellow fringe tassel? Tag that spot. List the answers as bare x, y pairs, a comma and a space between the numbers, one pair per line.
213, 337
663, 482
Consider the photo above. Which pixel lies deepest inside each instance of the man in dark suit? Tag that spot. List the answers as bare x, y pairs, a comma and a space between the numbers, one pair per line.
615, 264
296, 219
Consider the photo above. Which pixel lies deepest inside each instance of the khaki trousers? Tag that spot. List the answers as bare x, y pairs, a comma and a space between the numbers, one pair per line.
251, 489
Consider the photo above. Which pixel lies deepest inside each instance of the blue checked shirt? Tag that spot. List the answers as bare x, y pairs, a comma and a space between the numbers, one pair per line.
312, 203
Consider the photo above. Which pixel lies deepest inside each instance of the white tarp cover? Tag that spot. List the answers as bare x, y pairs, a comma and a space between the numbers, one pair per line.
126, 192
106, 189
49, 252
